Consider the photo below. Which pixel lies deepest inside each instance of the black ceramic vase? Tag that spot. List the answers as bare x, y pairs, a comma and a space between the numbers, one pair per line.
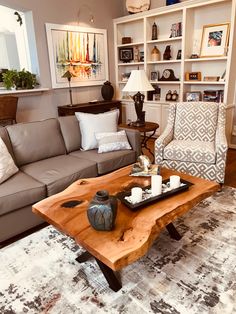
169, 2
102, 211
107, 91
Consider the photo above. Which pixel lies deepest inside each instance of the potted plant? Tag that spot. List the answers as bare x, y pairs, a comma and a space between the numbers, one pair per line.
19, 79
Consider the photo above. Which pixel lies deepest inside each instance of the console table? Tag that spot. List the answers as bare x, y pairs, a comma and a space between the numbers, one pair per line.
96, 107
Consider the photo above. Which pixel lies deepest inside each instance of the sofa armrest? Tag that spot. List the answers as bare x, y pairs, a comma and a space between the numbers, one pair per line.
134, 138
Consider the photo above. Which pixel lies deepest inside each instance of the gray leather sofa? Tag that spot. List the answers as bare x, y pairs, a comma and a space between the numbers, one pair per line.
49, 158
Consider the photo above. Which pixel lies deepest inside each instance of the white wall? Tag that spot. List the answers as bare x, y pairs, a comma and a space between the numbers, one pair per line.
44, 106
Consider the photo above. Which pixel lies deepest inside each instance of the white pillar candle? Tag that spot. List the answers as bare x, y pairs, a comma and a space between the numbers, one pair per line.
174, 182
136, 194
156, 184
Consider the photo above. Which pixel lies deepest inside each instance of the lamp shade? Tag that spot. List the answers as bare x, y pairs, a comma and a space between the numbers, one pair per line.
138, 82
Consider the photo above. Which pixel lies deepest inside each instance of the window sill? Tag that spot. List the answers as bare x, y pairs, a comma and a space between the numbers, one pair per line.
24, 92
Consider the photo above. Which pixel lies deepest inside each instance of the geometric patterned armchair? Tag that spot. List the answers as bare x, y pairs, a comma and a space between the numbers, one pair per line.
194, 140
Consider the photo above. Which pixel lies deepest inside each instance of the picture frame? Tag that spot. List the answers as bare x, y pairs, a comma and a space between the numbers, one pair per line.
179, 55
193, 96
215, 38
126, 54
154, 76
193, 76
79, 50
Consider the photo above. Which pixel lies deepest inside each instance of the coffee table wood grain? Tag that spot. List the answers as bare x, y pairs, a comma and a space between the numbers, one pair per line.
134, 232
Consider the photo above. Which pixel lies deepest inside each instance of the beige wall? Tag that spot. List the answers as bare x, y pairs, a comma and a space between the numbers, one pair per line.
63, 12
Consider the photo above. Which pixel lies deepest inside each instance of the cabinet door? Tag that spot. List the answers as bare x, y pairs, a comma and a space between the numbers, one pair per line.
153, 114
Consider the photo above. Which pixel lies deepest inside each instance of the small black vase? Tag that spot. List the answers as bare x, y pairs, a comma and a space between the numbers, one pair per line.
107, 91
102, 211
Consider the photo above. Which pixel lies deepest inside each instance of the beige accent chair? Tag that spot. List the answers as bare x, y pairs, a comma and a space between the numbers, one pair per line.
194, 140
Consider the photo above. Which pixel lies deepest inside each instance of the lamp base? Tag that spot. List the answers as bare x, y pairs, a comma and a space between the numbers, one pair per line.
137, 123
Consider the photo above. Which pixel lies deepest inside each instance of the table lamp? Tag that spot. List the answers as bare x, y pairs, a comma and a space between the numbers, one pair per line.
68, 74
138, 82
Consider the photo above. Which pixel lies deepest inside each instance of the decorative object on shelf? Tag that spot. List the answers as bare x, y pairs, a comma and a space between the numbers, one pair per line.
179, 55
136, 54
154, 76
155, 94
193, 76
213, 95
154, 31
83, 49
126, 40
168, 75
193, 96
102, 211
194, 56
167, 53
170, 2
215, 39
174, 96
138, 82
176, 30
126, 54
211, 78
125, 76
168, 95
136, 6
155, 54
69, 74
13, 79
141, 56
222, 78
107, 91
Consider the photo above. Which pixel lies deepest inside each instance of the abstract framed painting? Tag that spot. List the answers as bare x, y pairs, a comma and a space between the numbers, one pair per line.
81, 51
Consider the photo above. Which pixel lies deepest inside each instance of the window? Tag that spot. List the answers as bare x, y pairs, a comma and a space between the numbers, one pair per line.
17, 40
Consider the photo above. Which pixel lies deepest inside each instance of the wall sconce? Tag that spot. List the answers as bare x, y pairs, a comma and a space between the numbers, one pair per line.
91, 16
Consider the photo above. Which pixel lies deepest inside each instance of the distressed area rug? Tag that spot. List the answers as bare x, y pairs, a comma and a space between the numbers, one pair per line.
197, 274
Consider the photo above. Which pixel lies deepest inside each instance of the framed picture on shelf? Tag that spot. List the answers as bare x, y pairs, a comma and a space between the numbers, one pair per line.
215, 39
193, 96
179, 54
126, 54
193, 76
154, 76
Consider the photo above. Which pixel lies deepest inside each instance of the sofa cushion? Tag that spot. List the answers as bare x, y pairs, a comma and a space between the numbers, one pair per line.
112, 141
7, 165
107, 162
191, 151
35, 141
19, 191
90, 124
59, 172
71, 132
196, 121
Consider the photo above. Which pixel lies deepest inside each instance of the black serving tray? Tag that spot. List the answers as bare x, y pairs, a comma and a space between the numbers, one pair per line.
153, 199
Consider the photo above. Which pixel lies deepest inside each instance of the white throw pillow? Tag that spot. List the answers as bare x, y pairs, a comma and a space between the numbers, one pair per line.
7, 165
90, 124
111, 141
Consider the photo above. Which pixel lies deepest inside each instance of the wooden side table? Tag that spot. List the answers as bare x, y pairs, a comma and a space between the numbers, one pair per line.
148, 127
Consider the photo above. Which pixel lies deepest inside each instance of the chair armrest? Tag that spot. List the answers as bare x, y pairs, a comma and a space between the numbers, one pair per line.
134, 138
166, 137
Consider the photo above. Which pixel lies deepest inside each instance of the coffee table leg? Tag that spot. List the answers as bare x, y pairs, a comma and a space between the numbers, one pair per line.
110, 276
108, 273
173, 232
84, 257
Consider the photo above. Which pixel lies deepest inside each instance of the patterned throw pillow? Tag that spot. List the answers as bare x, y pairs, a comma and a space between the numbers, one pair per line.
111, 141
90, 124
7, 165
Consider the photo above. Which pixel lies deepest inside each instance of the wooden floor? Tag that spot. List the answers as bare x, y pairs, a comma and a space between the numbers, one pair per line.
230, 173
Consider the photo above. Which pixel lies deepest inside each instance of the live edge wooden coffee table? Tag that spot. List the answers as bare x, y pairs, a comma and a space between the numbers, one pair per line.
134, 232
